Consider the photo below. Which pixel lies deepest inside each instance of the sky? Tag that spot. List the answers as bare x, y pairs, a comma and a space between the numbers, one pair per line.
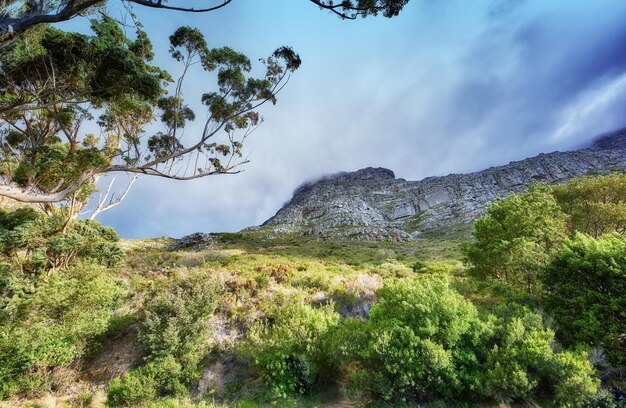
448, 86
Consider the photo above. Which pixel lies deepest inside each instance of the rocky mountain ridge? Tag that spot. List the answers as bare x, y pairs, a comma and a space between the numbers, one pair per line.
372, 204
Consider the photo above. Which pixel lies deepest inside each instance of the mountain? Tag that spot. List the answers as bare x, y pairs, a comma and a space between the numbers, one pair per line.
372, 203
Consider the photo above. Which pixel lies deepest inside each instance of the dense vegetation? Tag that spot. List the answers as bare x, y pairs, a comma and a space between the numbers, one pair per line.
532, 309
58, 295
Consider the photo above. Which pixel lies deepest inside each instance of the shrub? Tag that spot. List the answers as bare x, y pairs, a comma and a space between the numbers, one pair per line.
393, 269
418, 266
424, 342
34, 242
521, 363
411, 332
586, 293
288, 347
428, 305
56, 324
130, 389
174, 330
56, 297
158, 378
176, 319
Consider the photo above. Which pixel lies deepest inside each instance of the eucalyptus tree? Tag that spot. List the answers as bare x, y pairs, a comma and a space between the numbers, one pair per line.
55, 86
75, 107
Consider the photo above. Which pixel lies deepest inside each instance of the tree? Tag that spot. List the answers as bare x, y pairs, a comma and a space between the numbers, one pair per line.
516, 238
54, 83
19, 16
595, 205
585, 288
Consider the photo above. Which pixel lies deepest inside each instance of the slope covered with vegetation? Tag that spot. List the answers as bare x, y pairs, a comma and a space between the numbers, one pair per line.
530, 310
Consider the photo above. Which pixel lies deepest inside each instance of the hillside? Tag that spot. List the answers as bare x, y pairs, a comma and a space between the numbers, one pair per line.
255, 319
372, 203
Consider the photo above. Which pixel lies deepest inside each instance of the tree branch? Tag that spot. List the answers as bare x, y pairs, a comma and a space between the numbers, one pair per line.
12, 26
104, 205
26, 196
158, 4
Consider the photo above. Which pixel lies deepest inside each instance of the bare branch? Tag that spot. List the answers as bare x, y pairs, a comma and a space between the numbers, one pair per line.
158, 4
104, 205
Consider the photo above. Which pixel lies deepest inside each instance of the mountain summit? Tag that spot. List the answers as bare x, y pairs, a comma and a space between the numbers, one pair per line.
372, 204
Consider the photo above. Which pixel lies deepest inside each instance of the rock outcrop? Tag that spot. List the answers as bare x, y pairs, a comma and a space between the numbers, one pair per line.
372, 204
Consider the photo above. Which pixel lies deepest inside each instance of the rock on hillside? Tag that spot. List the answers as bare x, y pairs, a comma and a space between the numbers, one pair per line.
372, 204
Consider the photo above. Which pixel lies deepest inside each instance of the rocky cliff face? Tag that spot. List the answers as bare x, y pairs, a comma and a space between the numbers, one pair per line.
372, 204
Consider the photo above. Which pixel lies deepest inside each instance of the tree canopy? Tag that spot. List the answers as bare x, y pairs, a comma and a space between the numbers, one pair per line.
54, 83
595, 205
57, 86
516, 237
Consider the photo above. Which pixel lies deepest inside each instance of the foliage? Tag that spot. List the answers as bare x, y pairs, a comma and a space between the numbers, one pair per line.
425, 342
586, 293
595, 205
516, 238
54, 84
160, 377
288, 347
57, 294
418, 266
54, 323
522, 363
52, 73
410, 333
415, 340
176, 318
174, 331
32, 243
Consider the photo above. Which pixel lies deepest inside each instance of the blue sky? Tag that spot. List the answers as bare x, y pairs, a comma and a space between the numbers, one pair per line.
448, 86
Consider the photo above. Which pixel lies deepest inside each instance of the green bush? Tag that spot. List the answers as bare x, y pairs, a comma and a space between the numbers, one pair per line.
520, 363
161, 377
131, 389
418, 266
288, 347
586, 293
33, 242
56, 324
176, 319
411, 332
174, 330
57, 294
424, 342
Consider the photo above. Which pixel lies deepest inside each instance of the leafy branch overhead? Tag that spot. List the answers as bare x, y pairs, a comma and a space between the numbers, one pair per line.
54, 85
17, 16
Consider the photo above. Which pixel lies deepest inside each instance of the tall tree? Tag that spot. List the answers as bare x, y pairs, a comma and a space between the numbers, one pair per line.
516, 238
55, 84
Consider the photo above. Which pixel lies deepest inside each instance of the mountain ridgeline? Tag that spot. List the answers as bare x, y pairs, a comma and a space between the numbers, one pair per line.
372, 204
